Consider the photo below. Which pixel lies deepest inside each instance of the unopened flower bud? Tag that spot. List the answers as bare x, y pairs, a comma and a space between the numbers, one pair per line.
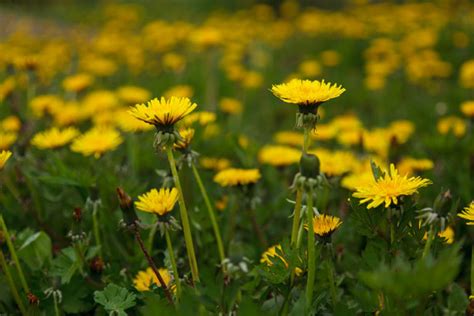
126, 205
309, 165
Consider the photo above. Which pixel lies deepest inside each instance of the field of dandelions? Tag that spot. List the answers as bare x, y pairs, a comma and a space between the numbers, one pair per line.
178, 158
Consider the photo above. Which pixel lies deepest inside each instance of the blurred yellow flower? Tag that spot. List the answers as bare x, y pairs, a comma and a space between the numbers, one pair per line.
466, 74
310, 68
4, 156
133, 94
235, 177
330, 58
289, 138
78, 82
129, 123
187, 135
180, 91
409, 165
7, 139
467, 108
230, 106
452, 124
447, 234
163, 112
10, 124
144, 280
47, 103
306, 92
158, 202
214, 163
468, 213
279, 156
202, 117
54, 137
388, 188
97, 141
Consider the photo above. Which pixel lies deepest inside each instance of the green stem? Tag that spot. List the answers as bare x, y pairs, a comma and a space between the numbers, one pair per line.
11, 283
306, 140
296, 218
12, 250
95, 225
331, 278
56, 307
188, 239
151, 237
311, 252
429, 241
173, 264
472, 270
79, 255
211, 213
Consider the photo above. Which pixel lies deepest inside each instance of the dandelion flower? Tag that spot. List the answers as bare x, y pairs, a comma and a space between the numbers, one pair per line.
307, 92
467, 108
144, 280
235, 177
279, 156
452, 124
54, 137
78, 82
11, 124
7, 139
468, 213
163, 112
133, 94
230, 106
388, 188
324, 225
271, 253
187, 135
158, 202
97, 141
4, 156
214, 163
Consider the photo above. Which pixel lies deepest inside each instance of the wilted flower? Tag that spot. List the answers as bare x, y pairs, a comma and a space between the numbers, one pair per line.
235, 177
388, 188
159, 202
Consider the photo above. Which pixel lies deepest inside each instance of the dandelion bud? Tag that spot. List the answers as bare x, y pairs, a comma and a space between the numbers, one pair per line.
309, 165
126, 205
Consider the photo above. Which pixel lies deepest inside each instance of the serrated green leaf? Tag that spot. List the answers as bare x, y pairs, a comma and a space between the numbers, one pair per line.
115, 299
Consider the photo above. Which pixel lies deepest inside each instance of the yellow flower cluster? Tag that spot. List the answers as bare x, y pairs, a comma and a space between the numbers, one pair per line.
235, 177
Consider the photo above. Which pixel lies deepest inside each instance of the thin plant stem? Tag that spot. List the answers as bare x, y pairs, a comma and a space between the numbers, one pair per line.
428, 243
152, 265
151, 237
78, 249
296, 218
306, 140
331, 277
188, 238
95, 226
56, 307
311, 251
211, 213
12, 250
11, 283
173, 263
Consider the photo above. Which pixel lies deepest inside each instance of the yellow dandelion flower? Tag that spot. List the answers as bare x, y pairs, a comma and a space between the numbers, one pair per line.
389, 188
54, 137
467, 108
307, 92
289, 138
10, 124
7, 139
466, 74
68, 114
163, 112
330, 58
230, 106
98, 101
97, 141
179, 91
133, 94
310, 68
213, 163
4, 156
129, 123
187, 135
158, 202
447, 234
202, 117
408, 165
78, 82
452, 124
146, 278
279, 156
355, 180
324, 225
271, 253
468, 213
235, 177
47, 103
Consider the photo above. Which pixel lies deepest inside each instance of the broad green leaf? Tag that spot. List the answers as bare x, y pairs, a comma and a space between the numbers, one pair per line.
115, 299
36, 250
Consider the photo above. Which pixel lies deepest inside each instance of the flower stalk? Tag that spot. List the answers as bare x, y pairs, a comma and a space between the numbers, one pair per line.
311, 251
429, 241
211, 213
173, 263
11, 283
188, 239
12, 250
